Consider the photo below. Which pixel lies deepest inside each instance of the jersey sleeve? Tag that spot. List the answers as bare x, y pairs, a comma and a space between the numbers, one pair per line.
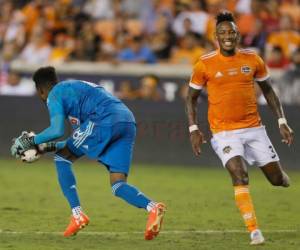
57, 117
261, 71
198, 77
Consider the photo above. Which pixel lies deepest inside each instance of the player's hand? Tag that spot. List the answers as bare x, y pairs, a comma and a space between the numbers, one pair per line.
23, 143
197, 138
287, 134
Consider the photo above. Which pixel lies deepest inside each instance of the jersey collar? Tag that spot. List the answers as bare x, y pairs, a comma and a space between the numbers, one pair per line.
228, 58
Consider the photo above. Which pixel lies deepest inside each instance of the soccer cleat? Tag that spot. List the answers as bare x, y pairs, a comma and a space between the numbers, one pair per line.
256, 237
76, 224
155, 220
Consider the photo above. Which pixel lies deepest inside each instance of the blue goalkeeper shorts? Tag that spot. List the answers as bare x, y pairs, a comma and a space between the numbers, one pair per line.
111, 145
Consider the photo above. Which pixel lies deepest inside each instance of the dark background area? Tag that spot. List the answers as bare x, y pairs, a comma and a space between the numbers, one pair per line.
162, 130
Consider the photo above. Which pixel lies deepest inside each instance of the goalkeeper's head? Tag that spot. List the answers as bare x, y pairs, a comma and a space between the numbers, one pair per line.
45, 79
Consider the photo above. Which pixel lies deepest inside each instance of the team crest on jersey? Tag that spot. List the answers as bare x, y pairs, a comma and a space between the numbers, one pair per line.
227, 150
74, 120
245, 69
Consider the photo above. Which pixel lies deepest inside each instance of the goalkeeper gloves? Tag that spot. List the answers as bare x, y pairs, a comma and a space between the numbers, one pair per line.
14, 150
21, 144
26, 141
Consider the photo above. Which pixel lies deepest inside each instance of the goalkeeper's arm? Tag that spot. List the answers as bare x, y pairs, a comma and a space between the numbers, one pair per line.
53, 132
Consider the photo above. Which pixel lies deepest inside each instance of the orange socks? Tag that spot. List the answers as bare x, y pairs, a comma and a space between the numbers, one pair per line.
245, 205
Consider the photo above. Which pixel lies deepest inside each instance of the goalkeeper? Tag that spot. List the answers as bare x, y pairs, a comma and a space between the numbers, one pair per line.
104, 129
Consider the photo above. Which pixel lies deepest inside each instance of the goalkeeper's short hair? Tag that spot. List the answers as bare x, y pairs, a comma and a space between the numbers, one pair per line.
45, 76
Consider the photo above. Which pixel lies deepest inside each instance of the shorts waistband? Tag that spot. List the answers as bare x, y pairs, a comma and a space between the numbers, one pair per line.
239, 131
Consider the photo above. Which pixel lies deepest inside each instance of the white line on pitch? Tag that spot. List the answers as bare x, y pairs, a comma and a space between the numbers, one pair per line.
163, 232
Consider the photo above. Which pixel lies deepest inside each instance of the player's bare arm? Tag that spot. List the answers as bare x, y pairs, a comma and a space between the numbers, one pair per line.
196, 136
275, 105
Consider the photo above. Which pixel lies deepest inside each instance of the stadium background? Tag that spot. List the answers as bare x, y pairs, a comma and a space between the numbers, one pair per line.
91, 40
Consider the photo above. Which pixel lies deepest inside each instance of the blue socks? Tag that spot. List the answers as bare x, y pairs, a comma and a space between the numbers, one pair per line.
132, 195
67, 180
120, 188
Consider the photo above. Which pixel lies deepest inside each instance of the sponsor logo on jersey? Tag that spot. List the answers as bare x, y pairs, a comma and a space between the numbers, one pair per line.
227, 150
245, 69
74, 120
233, 71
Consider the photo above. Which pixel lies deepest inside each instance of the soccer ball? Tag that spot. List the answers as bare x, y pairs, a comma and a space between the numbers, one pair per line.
30, 155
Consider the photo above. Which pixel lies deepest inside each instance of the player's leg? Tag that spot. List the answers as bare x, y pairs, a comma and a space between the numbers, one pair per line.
237, 169
230, 148
63, 161
66, 177
133, 196
260, 149
117, 157
275, 174
129, 193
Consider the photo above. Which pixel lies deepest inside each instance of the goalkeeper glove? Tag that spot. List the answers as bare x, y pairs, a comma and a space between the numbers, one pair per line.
14, 150
21, 144
24, 141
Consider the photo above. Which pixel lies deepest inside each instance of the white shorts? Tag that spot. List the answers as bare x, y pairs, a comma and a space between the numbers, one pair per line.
253, 144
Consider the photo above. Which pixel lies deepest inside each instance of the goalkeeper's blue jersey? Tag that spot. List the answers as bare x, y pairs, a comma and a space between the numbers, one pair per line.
80, 101
104, 128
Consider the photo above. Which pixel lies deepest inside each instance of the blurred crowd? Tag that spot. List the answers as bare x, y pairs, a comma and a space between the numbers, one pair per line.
143, 31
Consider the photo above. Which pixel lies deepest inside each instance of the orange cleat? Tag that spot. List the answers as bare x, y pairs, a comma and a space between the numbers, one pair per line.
76, 224
155, 220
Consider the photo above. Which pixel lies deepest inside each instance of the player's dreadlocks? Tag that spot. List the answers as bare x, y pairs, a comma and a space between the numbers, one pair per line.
224, 16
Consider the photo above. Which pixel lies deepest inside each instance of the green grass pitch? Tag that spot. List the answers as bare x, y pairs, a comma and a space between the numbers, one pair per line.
201, 211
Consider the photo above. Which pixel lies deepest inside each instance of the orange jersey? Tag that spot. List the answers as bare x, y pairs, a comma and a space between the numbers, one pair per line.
230, 86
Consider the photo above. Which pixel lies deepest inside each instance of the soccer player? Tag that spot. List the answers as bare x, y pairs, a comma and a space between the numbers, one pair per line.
104, 130
228, 74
